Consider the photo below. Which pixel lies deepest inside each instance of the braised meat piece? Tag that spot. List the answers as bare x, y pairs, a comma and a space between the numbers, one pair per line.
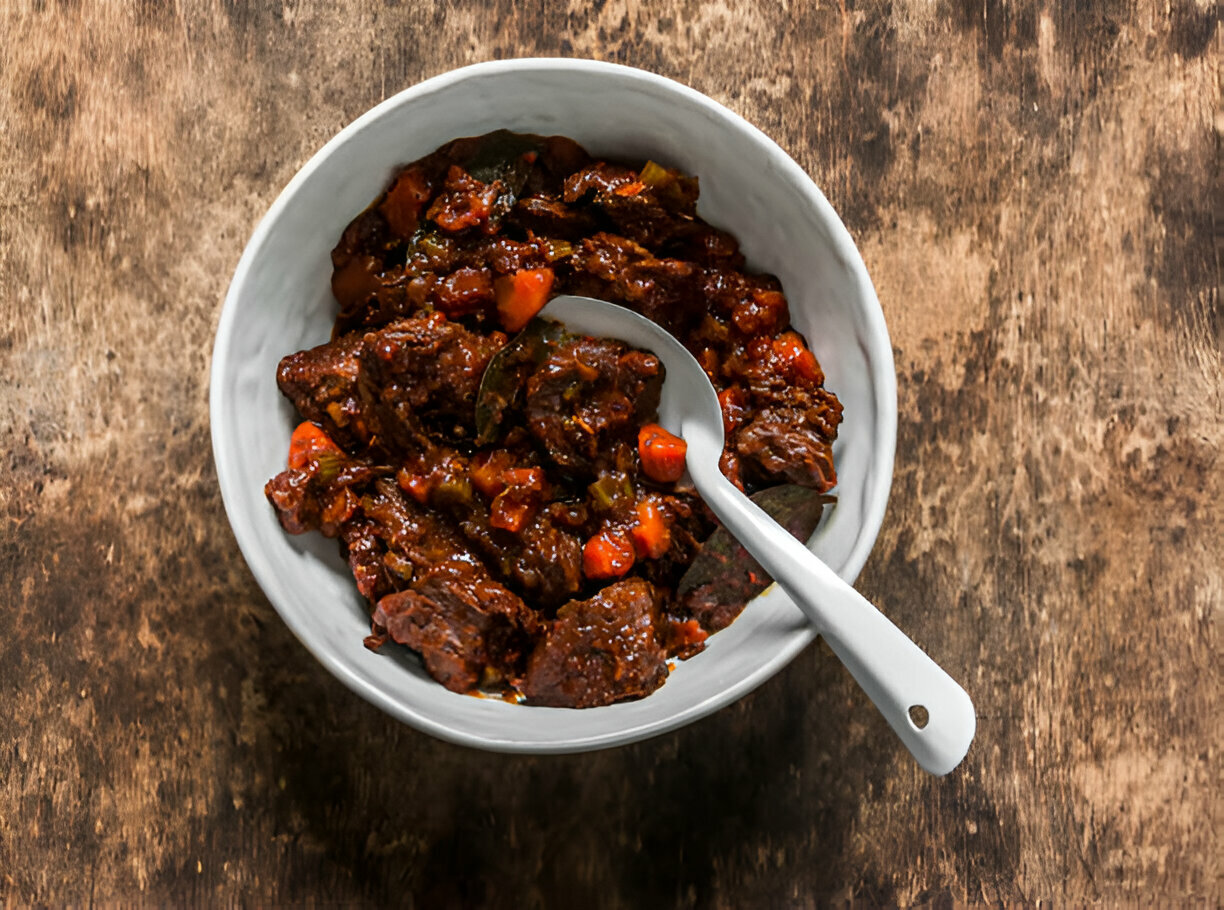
707, 246
322, 384
320, 488
600, 177
541, 560
557, 158
367, 272
417, 538
601, 650
495, 501
550, 217
617, 269
792, 440
469, 629
366, 554
589, 395
295, 496
425, 371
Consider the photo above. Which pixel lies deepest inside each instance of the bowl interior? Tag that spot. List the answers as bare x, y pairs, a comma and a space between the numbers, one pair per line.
280, 301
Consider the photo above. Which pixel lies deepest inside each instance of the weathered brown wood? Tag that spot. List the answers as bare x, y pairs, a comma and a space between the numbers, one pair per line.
1032, 187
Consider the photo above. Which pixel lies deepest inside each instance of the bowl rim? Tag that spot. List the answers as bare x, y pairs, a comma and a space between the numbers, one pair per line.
884, 379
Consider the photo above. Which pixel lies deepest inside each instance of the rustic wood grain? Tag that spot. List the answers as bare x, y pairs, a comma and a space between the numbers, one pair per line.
1034, 188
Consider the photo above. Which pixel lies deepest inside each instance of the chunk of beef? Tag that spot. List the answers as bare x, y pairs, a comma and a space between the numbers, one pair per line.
792, 440
468, 628
294, 494
549, 217
366, 554
707, 246
322, 383
368, 276
543, 561
505, 255
654, 207
424, 372
600, 177
689, 522
312, 498
588, 395
642, 218
532, 550
421, 537
600, 650
667, 291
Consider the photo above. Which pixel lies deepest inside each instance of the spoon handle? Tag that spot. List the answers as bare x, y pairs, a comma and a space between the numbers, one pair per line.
895, 673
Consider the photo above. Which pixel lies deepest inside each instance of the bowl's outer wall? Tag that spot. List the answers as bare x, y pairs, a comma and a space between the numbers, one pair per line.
280, 301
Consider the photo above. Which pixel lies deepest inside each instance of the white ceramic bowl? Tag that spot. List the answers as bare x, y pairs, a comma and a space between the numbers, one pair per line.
280, 301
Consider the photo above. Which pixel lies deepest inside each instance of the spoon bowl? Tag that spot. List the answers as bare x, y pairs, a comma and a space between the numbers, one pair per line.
926, 708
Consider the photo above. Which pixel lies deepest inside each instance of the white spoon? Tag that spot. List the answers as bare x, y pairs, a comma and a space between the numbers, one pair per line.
894, 672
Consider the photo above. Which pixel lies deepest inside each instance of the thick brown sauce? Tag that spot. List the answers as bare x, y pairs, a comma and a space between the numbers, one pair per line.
527, 535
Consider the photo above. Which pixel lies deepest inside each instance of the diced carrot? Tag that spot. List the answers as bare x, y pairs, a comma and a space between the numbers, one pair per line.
662, 453
791, 350
522, 489
403, 202
630, 189
509, 512
521, 295
486, 472
759, 348
307, 442
418, 486
609, 554
651, 536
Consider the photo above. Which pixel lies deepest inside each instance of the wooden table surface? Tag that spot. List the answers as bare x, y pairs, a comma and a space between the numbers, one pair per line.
1031, 185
